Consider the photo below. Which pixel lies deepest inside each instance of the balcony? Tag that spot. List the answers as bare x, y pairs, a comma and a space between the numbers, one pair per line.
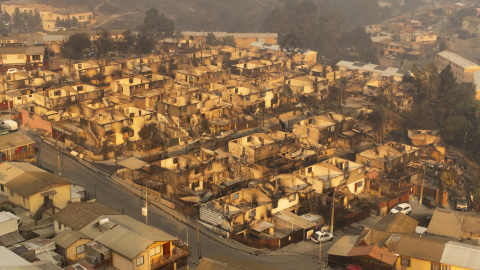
178, 252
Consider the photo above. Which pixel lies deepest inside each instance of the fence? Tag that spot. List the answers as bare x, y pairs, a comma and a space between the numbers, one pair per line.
272, 244
356, 216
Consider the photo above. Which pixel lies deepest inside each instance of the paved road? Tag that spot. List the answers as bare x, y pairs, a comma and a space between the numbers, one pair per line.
121, 199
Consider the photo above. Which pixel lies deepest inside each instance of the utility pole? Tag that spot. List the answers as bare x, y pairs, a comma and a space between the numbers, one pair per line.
464, 148
421, 189
146, 204
333, 212
58, 157
320, 256
198, 242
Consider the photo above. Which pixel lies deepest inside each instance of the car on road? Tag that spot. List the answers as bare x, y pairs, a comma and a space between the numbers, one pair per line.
461, 204
402, 208
320, 237
429, 202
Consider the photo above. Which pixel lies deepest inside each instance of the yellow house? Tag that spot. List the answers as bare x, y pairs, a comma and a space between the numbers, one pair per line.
417, 253
71, 245
35, 189
135, 245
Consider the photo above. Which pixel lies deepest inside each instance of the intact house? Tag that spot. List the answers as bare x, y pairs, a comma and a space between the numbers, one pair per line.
235, 212
117, 126
17, 146
27, 58
71, 245
125, 243
34, 189
462, 68
77, 215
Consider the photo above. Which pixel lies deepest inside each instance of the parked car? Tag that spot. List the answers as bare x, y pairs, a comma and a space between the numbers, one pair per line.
461, 204
429, 202
348, 267
9, 124
319, 237
402, 208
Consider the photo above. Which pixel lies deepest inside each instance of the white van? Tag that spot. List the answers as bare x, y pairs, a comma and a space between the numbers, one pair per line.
10, 124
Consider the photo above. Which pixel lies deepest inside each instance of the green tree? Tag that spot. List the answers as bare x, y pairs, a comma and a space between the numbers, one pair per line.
127, 42
37, 18
145, 42
211, 39
104, 42
18, 22
159, 25
448, 178
229, 41
76, 45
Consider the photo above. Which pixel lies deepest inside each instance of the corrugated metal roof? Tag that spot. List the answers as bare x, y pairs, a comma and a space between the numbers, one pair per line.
461, 255
66, 238
126, 235
14, 140
456, 59
445, 223
424, 248
11, 239
399, 223
374, 252
29, 183
133, 163
78, 214
343, 246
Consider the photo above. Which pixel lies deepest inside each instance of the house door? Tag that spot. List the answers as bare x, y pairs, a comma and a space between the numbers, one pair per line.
356, 186
166, 249
46, 199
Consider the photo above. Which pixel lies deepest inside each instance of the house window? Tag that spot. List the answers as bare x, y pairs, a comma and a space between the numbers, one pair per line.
11, 193
253, 213
249, 139
197, 170
235, 196
56, 93
359, 184
139, 261
446, 267
405, 262
436, 266
368, 162
36, 57
360, 171
80, 249
310, 170
271, 146
59, 225
130, 121
156, 250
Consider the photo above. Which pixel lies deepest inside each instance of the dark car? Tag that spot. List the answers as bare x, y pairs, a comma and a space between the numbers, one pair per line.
429, 202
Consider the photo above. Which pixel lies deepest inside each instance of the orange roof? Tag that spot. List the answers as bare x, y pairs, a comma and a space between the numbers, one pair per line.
374, 252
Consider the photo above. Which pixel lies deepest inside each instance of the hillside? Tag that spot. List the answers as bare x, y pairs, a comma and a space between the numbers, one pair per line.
195, 15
